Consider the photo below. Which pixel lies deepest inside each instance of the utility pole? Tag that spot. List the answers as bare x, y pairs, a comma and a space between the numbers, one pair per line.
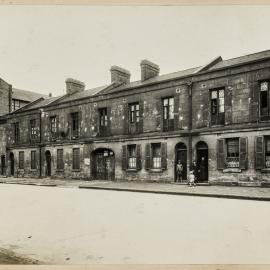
189, 84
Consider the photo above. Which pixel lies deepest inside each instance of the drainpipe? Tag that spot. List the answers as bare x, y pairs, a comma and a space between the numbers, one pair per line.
190, 122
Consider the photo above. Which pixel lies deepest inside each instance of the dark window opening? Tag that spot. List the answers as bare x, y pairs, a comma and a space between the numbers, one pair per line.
103, 122
264, 100
16, 132
60, 160
76, 159
168, 113
134, 117
33, 160
217, 106
132, 156
33, 129
21, 160
74, 125
53, 125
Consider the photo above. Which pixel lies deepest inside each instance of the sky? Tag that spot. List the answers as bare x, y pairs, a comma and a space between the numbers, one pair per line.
41, 46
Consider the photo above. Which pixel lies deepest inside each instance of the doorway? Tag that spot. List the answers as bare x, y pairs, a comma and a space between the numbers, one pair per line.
202, 161
103, 164
11, 161
3, 165
48, 160
181, 154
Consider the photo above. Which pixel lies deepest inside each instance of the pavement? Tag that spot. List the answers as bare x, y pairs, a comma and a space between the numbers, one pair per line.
202, 190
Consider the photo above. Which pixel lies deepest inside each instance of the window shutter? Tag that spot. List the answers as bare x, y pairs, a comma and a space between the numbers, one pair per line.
220, 154
259, 153
159, 122
228, 105
126, 119
164, 156
124, 157
141, 104
176, 112
12, 131
80, 128
148, 156
254, 104
243, 153
138, 157
69, 125
29, 130
109, 121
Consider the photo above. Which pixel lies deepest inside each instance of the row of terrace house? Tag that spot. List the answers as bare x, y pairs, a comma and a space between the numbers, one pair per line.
217, 114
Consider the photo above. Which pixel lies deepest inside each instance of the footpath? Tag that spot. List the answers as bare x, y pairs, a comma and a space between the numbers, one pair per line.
230, 192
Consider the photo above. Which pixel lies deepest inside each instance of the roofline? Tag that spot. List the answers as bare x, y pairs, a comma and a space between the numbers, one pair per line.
27, 105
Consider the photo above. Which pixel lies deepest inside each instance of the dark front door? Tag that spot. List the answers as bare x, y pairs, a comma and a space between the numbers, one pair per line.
181, 154
11, 160
103, 165
202, 163
3, 165
48, 163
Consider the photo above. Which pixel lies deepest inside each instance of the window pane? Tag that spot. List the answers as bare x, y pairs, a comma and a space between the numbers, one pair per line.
264, 86
221, 93
165, 102
214, 94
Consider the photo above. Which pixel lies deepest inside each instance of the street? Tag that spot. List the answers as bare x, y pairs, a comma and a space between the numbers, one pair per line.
57, 225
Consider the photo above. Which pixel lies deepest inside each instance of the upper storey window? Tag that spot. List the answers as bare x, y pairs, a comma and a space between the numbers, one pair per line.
134, 117
168, 113
217, 107
264, 100
75, 124
103, 122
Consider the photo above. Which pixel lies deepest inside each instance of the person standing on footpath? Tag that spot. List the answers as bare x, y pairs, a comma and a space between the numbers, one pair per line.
179, 171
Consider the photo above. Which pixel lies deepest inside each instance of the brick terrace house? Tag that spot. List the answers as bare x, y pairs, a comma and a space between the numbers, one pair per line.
217, 114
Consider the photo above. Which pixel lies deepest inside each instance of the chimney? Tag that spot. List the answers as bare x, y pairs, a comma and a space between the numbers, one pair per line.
148, 70
73, 86
119, 75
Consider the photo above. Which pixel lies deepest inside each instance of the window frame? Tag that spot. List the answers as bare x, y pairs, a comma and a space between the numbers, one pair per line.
76, 164
75, 125
21, 160
16, 127
156, 159
60, 159
53, 125
233, 160
132, 156
264, 117
219, 117
168, 113
103, 121
33, 155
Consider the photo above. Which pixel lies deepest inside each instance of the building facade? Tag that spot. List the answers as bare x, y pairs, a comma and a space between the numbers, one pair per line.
216, 114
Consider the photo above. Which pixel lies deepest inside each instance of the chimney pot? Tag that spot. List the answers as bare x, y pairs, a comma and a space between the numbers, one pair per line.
73, 86
119, 75
148, 70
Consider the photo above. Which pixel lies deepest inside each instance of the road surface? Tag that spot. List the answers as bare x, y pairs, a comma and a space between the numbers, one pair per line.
75, 226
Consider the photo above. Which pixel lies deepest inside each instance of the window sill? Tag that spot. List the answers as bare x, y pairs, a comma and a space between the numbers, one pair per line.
33, 170
156, 170
76, 170
131, 170
267, 170
232, 170
59, 171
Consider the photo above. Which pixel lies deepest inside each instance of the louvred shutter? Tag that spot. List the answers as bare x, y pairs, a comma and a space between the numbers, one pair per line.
126, 119
141, 104
159, 114
220, 154
138, 157
259, 153
148, 156
124, 157
254, 104
243, 153
109, 121
176, 112
164, 156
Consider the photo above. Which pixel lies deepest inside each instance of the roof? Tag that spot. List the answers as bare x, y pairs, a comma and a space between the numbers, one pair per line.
26, 95
156, 79
241, 60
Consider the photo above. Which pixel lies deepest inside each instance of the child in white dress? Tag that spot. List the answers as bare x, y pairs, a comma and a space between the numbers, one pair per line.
191, 179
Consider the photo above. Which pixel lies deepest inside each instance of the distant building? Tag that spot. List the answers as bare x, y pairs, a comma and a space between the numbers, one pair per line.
217, 114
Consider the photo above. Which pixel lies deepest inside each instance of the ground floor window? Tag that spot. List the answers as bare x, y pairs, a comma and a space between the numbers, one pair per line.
156, 155
60, 161
33, 160
132, 160
232, 160
76, 159
21, 160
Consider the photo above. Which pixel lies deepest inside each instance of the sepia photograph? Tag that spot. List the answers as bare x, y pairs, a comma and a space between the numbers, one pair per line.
134, 135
